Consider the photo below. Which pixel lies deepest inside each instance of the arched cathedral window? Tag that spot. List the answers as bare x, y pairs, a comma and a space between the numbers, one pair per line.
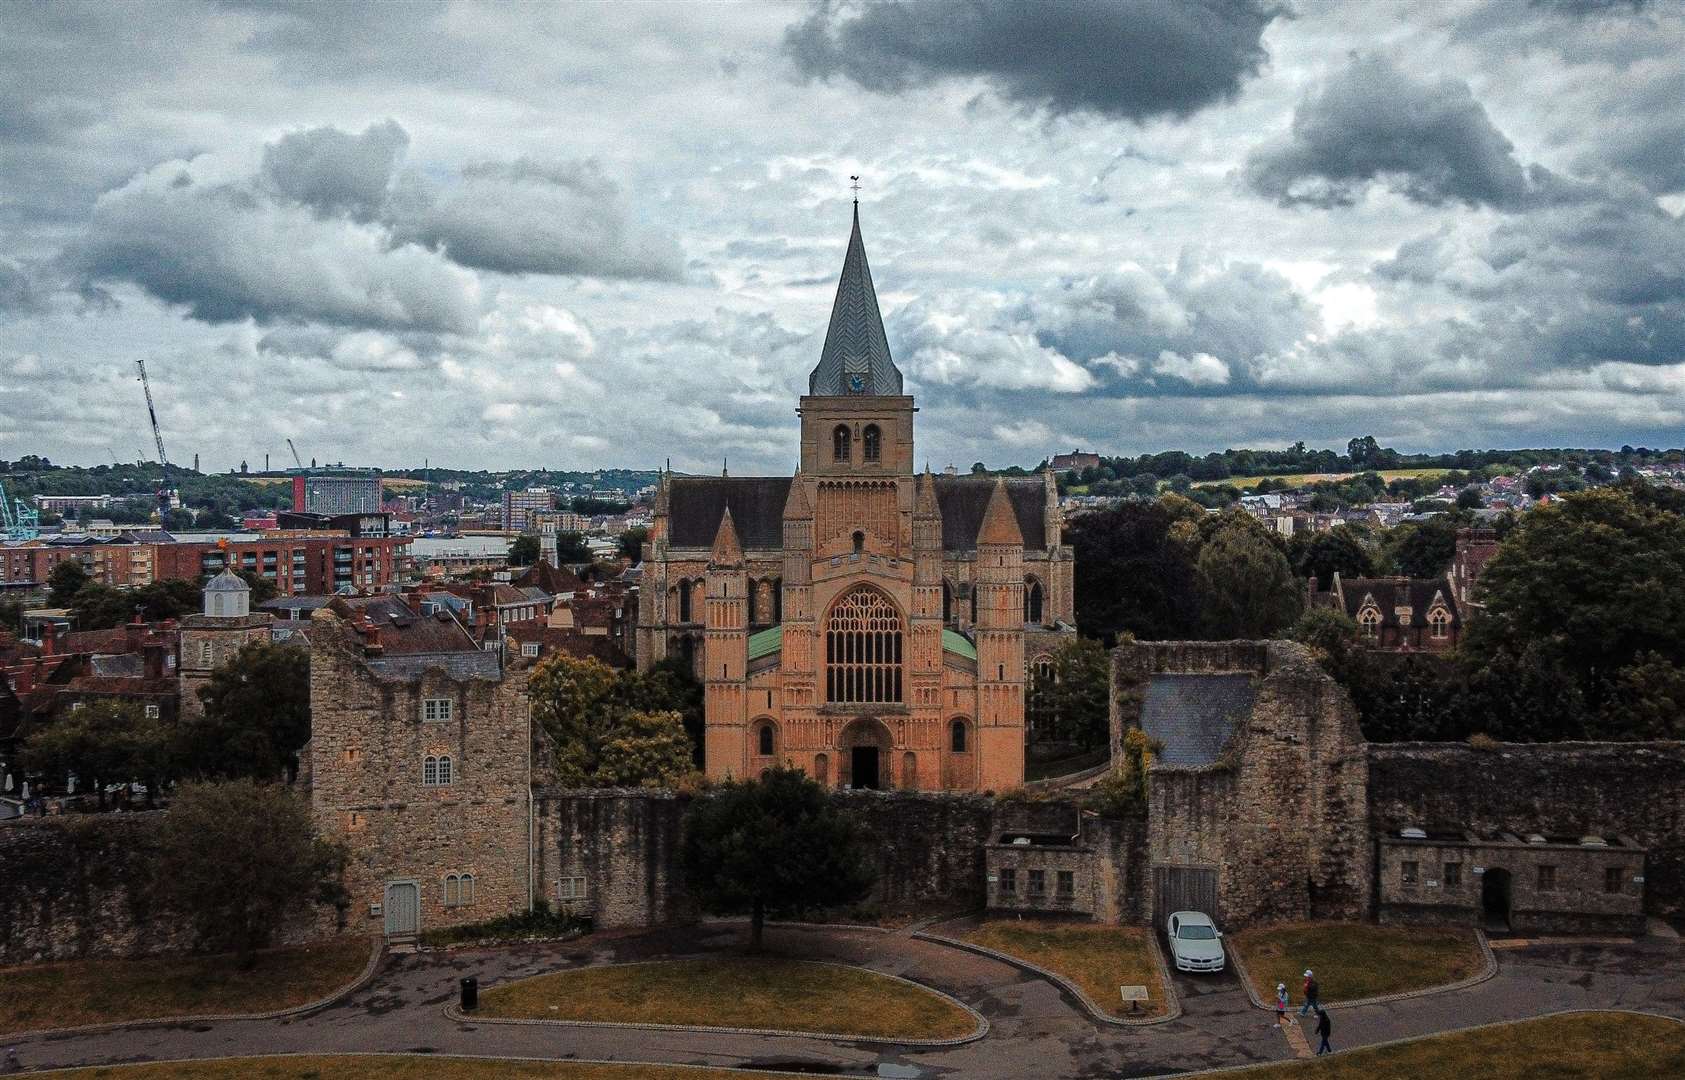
841, 443
1032, 602
871, 443
863, 649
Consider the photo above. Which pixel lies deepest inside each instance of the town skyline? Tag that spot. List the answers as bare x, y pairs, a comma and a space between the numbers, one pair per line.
616, 244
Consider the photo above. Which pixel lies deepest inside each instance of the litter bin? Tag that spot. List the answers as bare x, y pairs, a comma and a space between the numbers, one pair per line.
470, 994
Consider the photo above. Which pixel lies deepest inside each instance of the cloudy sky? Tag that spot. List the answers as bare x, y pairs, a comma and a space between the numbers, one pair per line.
609, 234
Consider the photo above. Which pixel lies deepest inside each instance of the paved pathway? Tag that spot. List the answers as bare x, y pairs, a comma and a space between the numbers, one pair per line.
1035, 1030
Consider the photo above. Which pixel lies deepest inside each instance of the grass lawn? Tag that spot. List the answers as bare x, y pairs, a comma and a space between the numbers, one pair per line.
735, 991
103, 991
1301, 479
412, 1067
1591, 1046
1355, 960
1097, 958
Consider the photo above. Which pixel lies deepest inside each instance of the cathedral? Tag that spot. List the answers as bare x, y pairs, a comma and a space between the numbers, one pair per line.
873, 626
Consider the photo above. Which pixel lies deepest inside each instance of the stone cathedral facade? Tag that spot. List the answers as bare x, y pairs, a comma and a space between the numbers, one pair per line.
873, 626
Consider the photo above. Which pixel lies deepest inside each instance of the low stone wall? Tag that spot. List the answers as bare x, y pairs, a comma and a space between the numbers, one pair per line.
79, 887
1568, 789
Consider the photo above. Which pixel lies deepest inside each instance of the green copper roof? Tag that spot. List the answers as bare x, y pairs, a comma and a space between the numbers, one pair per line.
953, 641
766, 642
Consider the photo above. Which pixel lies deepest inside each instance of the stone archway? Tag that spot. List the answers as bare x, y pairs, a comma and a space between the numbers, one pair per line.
865, 761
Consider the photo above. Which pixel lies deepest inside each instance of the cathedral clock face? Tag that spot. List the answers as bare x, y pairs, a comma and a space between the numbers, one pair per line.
856, 384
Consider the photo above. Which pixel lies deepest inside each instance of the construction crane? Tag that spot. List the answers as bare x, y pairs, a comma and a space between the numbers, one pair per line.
296, 460
18, 520
158, 438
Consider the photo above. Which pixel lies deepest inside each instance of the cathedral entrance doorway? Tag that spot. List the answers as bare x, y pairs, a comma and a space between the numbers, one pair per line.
865, 745
863, 762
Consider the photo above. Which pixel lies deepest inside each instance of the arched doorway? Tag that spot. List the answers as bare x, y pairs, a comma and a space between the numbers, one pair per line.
864, 762
1495, 898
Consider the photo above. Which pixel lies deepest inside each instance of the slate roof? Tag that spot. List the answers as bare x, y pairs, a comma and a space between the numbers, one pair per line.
475, 664
855, 345
227, 581
965, 499
1195, 715
403, 632
554, 639
696, 503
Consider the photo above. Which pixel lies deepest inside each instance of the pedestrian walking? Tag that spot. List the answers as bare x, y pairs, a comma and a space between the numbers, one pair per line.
1324, 1027
1281, 1003
1313, 994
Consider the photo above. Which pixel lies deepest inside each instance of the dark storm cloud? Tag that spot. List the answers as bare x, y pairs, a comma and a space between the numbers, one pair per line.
333, 172
529, 217
1430, 141
1133, 60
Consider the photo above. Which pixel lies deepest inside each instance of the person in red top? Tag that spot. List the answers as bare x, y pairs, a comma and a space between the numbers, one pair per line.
1312, 993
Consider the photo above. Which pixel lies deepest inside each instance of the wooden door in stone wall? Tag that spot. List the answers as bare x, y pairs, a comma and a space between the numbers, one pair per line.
1183, 888
403, 908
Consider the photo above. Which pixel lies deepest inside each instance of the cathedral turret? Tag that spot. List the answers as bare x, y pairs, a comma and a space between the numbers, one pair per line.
726, 649
1000, 640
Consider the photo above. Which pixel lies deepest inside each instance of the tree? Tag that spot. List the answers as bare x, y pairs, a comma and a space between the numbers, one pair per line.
611, 729
102, 743
1470, 499
64, 581
776, 846
571, 548
1132, 576
1246, 588
1081, 692
524, 551
262, 588
11, 616
101, 607
1122, 793
1421, 549
256, 716
241, 861
1339, 550
632, 543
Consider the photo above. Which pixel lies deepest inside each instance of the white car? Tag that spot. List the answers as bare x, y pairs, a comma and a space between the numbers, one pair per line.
1195, 942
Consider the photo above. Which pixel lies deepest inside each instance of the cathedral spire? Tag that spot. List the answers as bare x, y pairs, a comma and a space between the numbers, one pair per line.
1000, 524
855, 359
728, 550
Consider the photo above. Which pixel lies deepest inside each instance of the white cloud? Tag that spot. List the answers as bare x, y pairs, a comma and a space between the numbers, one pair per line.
1200, 369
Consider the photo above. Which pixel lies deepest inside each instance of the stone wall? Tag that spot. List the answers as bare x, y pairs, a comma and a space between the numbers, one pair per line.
78, 887
1568, 789
1283, 816
611, 854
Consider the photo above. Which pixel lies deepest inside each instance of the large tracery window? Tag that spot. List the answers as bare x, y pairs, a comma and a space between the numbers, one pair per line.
863, 650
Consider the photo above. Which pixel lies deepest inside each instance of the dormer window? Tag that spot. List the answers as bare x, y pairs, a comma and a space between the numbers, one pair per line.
1440, 620
1370, 620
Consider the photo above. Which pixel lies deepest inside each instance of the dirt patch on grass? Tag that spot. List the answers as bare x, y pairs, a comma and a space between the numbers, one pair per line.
1589, 1046
82, 992
1097, 958
740, 991
1356, 960
417, 1067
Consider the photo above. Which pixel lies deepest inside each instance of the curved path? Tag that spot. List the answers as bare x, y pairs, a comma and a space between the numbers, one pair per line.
1035, 1030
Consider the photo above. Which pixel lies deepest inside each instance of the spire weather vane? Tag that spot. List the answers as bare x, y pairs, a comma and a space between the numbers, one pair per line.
854, 182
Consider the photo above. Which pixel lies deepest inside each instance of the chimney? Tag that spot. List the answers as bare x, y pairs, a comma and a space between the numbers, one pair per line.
133, 632
154, 651
49, 638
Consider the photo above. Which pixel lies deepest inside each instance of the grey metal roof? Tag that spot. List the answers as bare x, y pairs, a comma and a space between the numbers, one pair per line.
227, 581
855, 359
1194, 716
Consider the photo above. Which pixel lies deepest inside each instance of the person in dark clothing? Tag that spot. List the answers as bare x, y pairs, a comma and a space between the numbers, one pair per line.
1313, 994
1324, 1027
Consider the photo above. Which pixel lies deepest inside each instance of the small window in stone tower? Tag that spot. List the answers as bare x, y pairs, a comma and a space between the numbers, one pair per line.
859, 542
764, 744
957, 741
871, 441
436, 710
841, 444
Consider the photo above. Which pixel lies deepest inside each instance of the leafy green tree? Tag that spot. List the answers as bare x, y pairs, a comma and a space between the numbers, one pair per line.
105, 742
11, 616
262, 588
1132, 575
632, 543
1081, 692
1122, 793
256, 716
647, 749
608, 728
668, 686
101, 607
1647, 701
240, 859
1421, 549
1339, 550
1470, 499
1246, 588
776, 846
571, 548
524, 551
64, 581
